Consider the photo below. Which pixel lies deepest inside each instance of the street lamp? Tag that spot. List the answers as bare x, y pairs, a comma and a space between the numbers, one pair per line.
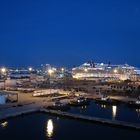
115, 71
3, 72
30, 69
85, 69
62, 69
50, 72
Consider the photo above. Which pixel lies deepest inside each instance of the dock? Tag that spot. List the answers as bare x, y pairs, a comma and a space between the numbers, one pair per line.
18, 111
13, 115
58, 98
103, 121
36, 108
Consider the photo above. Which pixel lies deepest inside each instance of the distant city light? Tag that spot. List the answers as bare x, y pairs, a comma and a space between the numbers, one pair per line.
30, 69
54, 69
85, 69
3, 70
50, 71
62, 69
115, 71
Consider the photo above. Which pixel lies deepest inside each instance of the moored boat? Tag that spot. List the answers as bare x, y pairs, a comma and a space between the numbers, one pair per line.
59, 106
80, 101
134, 104
106, 100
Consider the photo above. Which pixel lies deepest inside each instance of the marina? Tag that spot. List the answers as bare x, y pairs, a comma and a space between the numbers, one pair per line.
70, 70
105, 100
101, 110
87, 114
52, 127
94, 119
59, 106
79, 101
113, 123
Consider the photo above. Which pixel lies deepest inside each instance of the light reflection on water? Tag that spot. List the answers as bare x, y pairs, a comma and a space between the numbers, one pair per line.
83, 107
103, 106
119, 112
66, 129
114, 112
50, 128
138, 112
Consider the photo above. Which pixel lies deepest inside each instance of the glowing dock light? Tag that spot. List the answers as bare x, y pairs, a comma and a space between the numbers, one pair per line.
3, 70
115, 71
62, 69
50, 71
85, 69
30, 69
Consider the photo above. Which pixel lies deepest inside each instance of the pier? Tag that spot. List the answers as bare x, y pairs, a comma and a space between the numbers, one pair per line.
28, 104
18, 111
103, 121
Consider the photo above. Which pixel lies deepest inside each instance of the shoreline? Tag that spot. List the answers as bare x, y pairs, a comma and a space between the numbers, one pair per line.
78, 117
35, 105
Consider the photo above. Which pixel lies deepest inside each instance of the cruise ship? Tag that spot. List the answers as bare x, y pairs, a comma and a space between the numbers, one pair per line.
92, 70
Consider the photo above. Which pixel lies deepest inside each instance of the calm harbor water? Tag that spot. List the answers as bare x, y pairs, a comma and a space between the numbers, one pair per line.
120, 112
44, 127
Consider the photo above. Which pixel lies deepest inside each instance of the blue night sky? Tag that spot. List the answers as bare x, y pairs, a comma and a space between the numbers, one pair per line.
69, 32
